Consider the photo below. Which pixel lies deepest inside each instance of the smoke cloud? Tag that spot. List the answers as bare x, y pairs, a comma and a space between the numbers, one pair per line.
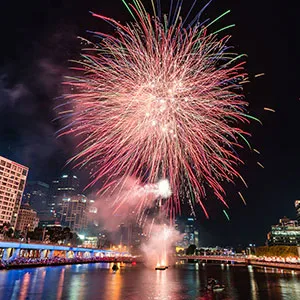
158, 249
126, 200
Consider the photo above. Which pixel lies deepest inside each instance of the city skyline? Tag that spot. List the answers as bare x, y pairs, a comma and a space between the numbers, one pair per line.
29, 85
68, 197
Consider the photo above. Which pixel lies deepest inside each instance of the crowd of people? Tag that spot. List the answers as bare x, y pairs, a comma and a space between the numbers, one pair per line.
20, 262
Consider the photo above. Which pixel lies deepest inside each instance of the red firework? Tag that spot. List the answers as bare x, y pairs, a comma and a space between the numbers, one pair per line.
159, 100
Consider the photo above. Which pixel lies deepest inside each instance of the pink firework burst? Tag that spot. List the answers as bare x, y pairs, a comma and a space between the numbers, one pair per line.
159, 100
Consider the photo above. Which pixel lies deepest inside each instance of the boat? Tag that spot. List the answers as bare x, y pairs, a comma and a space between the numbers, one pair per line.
161, 268
218, 288
214, 286
115, 268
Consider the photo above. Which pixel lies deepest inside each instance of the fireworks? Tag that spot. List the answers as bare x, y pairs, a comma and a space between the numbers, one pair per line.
159, 99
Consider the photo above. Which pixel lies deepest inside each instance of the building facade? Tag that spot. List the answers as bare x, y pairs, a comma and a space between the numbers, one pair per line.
297, 207
12, 183
64, 187
27, 219
190, 234
37, 195
286, 233
74, 212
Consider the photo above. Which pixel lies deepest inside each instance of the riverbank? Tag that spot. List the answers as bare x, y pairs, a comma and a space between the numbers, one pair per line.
21, 262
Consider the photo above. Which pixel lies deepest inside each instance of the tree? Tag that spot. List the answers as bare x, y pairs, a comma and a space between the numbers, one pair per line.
191, 250
7, 230
75, 239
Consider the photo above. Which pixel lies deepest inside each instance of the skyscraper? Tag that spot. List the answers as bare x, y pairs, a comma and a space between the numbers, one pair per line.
37, 195
62, 188
12, 183
66, 185
73, 212
190, 234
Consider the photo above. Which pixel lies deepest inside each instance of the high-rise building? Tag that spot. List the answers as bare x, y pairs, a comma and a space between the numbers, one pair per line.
297, 206
122, 234
64, 187
37, 195
135, 235
190, 233
27, 218
73, 212
12, 183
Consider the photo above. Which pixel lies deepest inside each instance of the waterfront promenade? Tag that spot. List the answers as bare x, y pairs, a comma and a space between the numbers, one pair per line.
248, 260
15, 254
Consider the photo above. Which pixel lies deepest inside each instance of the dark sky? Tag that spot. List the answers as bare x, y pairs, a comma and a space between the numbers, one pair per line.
38, 38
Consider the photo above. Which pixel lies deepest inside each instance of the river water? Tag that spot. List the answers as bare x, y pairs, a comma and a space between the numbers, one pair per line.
97, 281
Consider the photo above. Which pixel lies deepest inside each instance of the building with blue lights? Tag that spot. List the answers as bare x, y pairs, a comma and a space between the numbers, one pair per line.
187, 226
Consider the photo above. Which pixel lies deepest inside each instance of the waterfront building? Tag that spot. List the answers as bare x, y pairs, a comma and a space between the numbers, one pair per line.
297, 206
27, 218
37, 195
90, 242
12, 183
287, 233
73, 212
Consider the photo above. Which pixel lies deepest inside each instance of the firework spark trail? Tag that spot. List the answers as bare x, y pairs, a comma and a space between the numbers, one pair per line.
158, 100
242, 197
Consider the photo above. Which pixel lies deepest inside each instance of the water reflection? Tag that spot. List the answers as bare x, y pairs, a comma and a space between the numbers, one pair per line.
114, 287
289, 289
24, 286
96, 281
253, 284
77, 287
162, 288
60, 284
38, 282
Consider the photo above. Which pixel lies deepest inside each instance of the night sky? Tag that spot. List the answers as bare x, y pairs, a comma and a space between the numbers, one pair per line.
38, 38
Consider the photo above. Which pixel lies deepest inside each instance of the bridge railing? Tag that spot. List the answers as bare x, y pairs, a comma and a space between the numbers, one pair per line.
242, 259
213, 257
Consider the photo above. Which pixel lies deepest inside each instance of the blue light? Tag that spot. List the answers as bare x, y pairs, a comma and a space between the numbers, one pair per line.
51, 247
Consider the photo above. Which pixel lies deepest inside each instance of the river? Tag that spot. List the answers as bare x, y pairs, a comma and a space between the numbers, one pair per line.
97, 281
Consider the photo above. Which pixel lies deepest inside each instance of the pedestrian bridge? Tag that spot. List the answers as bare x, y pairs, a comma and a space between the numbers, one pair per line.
11, 250
236, 259
240, 260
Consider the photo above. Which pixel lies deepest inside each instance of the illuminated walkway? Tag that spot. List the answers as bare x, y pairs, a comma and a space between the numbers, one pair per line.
241, 260
11, 250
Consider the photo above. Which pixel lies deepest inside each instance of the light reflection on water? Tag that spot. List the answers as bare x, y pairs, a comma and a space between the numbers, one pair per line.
97, 281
